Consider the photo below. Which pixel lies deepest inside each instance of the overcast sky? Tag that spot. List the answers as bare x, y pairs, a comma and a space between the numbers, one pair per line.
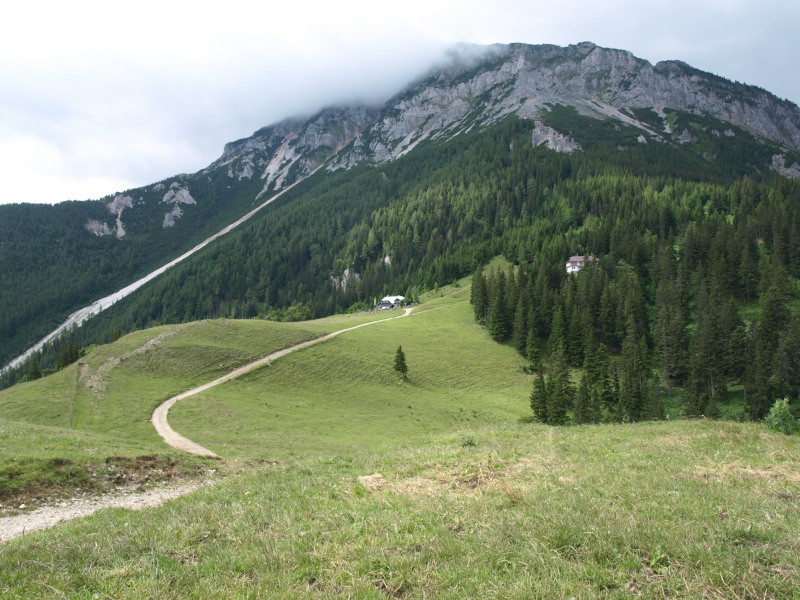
98, 97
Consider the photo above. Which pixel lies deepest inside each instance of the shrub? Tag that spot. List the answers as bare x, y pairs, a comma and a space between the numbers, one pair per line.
780, 417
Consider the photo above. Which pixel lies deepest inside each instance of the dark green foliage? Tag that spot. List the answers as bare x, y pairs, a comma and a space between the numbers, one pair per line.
761, 386
479, 296
520, 326
51, 265
400, 362
671, 336
560, 392
634, 380
786, 365
499, 321
68, 352
33, 371
532, 349
677, 263
583, 403
595, 362
298, 312
780, 417
539, 399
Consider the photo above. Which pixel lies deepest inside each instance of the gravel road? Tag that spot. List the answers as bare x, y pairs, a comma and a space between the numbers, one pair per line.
66, 510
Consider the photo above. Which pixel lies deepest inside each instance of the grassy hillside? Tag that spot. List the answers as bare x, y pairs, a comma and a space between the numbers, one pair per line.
106, 400
344, 396
114, 389
62, 432
39, 463
685, 509
460, 500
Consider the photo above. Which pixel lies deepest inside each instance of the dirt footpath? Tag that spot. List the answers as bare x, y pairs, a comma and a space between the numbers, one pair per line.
48, 516
179, 442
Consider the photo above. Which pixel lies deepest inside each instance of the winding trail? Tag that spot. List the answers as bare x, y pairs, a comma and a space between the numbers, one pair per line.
179, 442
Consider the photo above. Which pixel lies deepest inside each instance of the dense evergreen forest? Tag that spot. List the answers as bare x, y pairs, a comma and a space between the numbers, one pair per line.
51, 265
693, 290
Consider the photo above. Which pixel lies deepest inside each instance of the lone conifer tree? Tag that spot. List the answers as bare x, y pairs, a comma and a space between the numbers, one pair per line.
539, 399
400, 362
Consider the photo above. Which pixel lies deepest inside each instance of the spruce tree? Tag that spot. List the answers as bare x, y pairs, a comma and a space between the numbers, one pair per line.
499, 321
532, 349
479, 296
520, 328
595, 404
577, 329
33, 371
558, 333
583, 401
695, 393
786, 364
559, 391
760, 389
670, 338
738, 353
595, 361
539, 399
400, 362
634, 383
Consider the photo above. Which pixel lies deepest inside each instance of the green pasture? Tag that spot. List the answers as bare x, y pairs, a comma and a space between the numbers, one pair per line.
688, 509
342, 395
346, 481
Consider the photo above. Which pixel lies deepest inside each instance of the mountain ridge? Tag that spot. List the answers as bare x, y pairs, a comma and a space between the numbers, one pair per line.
518, 79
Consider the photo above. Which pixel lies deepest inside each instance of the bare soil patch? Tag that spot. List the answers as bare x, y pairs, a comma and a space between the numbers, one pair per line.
64, 478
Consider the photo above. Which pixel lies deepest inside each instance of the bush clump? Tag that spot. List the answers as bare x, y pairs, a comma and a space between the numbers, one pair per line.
780, 417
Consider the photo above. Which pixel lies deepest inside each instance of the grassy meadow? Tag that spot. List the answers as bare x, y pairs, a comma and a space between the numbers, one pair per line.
68, 431
345, 481
343, 395
658, 510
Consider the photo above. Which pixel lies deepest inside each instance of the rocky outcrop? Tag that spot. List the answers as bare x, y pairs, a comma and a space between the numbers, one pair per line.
97, 228
294, 148
479, 85
347, 277
779, 165
476, 89
176, 195
550, 138
116, 207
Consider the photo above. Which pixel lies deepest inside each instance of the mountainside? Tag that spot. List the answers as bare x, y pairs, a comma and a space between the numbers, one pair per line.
579, 107
479, 86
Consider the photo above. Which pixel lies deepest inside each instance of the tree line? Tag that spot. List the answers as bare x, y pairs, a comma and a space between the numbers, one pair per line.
693, 288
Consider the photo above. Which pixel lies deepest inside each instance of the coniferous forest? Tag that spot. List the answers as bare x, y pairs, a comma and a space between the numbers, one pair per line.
693, 293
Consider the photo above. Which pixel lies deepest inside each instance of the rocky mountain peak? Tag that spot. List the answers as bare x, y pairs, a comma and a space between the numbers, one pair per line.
478, 85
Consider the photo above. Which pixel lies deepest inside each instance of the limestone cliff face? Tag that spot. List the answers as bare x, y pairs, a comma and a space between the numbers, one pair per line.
282, 153
480, 85
478, 88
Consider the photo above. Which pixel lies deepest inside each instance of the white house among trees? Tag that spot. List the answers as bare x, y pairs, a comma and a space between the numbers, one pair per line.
576, 263
390, 301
